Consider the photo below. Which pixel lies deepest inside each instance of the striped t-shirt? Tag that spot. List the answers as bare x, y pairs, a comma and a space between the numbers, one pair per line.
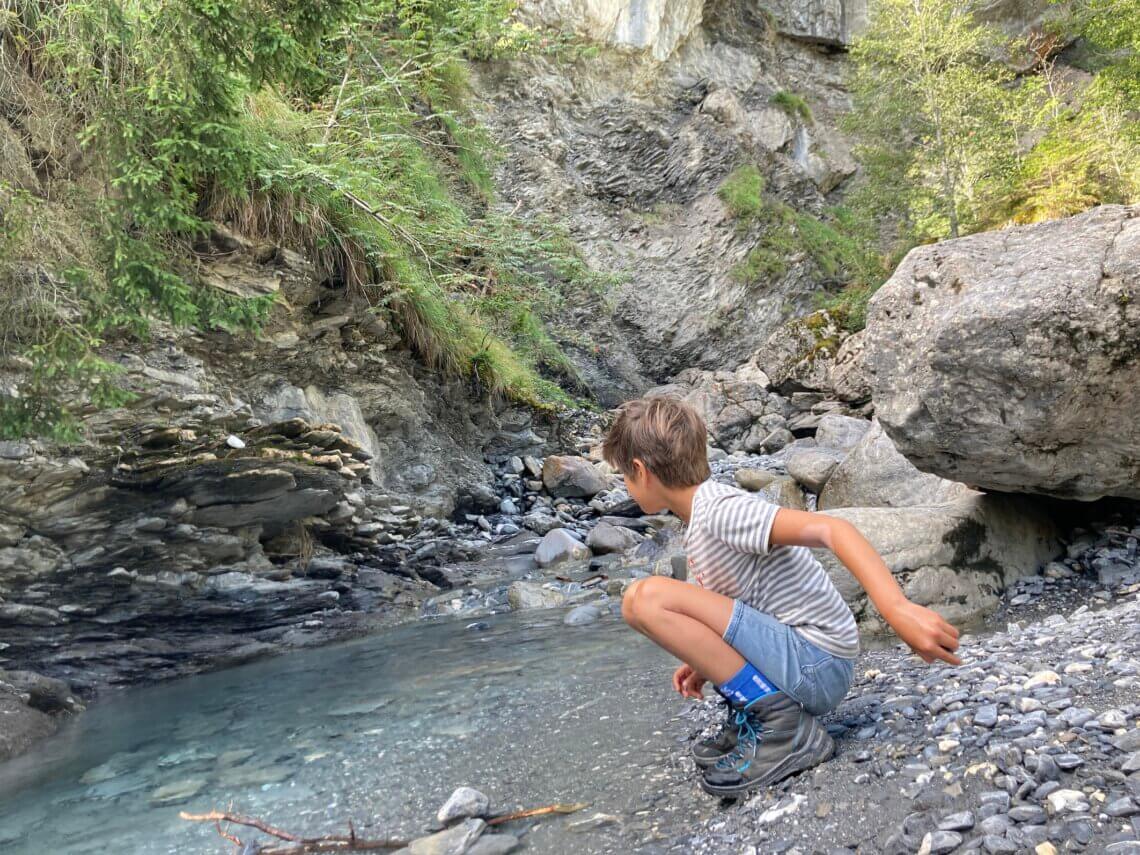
728, 552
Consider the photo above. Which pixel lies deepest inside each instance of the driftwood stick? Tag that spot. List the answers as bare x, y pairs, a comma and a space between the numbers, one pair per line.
330, 843
333, 843
538, 811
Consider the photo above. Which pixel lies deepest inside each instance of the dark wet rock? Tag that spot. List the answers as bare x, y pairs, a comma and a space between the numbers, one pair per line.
962, 821
605, 538
572, 476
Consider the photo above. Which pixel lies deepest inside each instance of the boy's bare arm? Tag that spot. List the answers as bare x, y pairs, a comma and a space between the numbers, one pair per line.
927, 633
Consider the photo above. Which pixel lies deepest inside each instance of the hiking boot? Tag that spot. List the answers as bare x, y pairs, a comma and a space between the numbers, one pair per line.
708, 751
776, 738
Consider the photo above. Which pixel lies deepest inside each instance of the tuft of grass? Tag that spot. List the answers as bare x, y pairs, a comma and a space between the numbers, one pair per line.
743, 192
792, 104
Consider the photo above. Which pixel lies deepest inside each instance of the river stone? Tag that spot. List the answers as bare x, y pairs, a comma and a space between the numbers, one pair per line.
582, 615
463, 803
560, 545
453, 841
954, 557
179, 791
532, 595
494, 844
1000, 358
572, 476
813, 466
1128, 741
938, 842
1067, 801
875, 475
605, 538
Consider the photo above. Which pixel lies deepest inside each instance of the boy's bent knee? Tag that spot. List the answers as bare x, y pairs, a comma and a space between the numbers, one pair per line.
629, 603
643, 599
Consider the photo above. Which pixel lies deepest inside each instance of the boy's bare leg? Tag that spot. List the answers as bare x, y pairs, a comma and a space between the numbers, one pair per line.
687, 621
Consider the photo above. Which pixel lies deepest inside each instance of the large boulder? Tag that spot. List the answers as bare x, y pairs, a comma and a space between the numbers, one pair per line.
875, 475
572, 476
1010, 360
955, 557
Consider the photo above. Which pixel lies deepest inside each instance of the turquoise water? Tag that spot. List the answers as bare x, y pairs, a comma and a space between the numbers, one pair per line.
379, 729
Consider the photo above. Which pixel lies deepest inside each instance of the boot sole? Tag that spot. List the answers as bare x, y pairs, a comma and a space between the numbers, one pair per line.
819, 749
708, 762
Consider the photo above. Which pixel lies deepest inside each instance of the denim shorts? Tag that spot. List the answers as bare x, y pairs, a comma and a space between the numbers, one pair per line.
808, 674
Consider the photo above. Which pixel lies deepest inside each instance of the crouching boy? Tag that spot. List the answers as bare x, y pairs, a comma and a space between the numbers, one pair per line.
762, 621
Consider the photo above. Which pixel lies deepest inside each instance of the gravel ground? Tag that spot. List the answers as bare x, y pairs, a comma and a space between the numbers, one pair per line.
1031, 745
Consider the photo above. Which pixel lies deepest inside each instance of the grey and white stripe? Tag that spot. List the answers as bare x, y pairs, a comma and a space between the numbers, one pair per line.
728, 552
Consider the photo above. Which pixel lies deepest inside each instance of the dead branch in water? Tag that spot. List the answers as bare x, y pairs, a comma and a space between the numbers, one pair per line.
339, 843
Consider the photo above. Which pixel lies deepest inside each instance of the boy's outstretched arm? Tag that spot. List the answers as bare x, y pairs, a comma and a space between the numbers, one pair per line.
927, 633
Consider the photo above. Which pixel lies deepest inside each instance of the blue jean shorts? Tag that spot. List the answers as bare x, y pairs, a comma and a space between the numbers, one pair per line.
815, 678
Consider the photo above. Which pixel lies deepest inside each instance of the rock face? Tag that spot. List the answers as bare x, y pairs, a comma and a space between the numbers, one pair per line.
830, 22
1010, 360
956, 557
656, 26
628, 151
659, 26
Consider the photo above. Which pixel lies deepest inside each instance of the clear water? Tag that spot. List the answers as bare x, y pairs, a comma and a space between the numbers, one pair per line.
379, 730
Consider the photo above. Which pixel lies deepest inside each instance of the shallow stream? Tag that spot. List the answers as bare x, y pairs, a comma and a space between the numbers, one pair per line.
378, 729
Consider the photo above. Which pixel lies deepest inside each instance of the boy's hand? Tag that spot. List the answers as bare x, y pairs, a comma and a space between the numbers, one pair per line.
688, 682
927, 633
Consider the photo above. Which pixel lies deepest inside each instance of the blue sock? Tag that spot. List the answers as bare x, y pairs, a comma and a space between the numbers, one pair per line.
747, 686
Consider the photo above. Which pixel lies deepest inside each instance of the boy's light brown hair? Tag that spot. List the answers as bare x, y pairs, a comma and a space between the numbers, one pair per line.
666, 434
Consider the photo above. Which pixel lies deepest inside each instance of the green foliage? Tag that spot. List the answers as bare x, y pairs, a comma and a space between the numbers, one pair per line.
951, 142
935, 118
743, 191
1088, 135
792, 104
838, 246
336, 126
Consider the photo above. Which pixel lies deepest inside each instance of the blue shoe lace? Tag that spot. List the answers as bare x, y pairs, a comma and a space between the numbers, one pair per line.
748, 732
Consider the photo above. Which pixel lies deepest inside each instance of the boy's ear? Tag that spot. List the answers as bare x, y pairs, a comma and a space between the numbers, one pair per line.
638, 470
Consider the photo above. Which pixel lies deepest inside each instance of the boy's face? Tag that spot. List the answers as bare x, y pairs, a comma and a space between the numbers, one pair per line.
645, 489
